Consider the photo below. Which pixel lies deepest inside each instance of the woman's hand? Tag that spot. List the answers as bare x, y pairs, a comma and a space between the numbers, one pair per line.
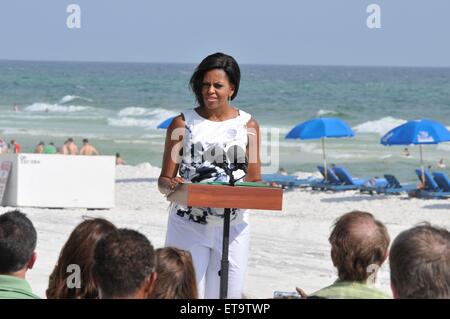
167, 185
175, 181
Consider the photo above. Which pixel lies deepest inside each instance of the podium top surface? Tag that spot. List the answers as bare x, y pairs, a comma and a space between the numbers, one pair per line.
220, 195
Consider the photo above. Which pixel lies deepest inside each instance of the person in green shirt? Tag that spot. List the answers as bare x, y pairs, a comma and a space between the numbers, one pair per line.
17, 244
359, 246
50, 148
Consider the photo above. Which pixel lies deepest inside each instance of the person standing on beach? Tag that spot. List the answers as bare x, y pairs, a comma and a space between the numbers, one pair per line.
213, 124
65, 148
87, 149
72, 148
16, 147
50, 148
119, 160
39, 149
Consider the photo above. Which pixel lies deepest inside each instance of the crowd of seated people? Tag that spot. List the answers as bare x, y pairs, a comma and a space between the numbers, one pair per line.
102, 261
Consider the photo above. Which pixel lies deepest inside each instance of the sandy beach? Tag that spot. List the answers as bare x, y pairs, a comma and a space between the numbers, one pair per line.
288, 248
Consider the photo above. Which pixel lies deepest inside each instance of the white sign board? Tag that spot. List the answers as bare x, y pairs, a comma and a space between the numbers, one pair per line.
56, 180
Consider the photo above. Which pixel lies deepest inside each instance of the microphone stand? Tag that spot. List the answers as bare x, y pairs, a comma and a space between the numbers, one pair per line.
224, 265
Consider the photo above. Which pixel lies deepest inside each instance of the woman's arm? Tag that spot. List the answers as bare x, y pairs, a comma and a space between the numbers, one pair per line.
168, 179
254, 161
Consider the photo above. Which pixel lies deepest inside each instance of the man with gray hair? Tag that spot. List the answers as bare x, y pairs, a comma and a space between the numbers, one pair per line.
359, 246
420, 263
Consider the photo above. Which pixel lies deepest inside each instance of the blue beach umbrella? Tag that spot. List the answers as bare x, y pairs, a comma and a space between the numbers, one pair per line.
321, 128
165, 124
417, 132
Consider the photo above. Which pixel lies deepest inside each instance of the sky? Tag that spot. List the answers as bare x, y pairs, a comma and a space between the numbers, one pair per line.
300, 32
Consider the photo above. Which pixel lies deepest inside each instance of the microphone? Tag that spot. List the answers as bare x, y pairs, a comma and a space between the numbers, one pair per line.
202, 173
217, 156
237, 158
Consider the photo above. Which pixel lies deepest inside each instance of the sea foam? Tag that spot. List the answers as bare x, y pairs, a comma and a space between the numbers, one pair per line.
46, 107
159, 113
381, 126
70, 98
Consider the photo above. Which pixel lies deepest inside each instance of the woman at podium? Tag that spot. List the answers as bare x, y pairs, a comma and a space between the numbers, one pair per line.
197, 147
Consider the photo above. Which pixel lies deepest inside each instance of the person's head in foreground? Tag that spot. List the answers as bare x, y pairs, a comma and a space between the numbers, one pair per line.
124, 265
78, 250
17, 244
85, 141
215, 81
359, 246
420, 263
17, 254
176, 275
358, 241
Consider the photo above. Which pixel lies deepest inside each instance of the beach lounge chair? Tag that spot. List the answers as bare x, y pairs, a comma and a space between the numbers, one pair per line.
431, 189
442, 181
331, 182
393, 187
286, 181
430, 183
330, 177
347, 179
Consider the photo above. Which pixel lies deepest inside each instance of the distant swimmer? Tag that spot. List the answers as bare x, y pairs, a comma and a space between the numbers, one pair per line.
72, 147
88, 149
39, 149
441, 163
16, 108
406, 152
119, 160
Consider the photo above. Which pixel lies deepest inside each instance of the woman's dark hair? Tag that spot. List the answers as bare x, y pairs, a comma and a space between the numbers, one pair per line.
78, 250
176, 275
215, 61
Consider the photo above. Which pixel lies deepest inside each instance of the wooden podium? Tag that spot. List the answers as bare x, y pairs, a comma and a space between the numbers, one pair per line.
245, 195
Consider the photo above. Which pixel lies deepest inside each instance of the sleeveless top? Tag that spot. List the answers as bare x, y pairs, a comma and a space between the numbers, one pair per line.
205, 145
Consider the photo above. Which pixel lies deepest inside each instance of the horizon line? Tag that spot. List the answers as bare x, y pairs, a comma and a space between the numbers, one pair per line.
250, 64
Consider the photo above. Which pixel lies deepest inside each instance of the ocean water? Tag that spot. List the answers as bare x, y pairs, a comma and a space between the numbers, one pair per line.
118, 106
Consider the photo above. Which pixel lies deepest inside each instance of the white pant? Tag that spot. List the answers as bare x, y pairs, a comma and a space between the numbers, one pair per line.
205, 244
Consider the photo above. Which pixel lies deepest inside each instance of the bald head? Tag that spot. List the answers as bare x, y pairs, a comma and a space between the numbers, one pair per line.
358, 241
